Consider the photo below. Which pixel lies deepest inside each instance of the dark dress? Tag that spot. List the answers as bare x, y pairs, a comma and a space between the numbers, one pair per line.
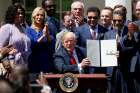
41, 56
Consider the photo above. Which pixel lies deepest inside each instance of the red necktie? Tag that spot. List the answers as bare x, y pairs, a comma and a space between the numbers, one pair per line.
72, 59
93, 34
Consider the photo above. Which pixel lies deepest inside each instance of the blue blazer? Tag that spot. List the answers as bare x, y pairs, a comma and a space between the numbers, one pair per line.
111, 34
62, 60
83, 34
138, 22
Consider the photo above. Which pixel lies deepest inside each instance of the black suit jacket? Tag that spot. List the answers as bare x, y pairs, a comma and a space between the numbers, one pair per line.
62, 60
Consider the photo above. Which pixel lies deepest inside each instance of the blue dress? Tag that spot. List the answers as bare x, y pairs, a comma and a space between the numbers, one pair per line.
41, 56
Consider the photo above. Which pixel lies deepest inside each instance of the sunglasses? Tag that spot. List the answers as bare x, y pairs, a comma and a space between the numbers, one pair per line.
117, 20
92, 17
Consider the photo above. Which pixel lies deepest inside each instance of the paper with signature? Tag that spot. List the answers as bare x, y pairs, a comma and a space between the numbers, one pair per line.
102, 53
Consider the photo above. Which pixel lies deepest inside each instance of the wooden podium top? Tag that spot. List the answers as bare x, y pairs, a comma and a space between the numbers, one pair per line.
95, 76
85, 81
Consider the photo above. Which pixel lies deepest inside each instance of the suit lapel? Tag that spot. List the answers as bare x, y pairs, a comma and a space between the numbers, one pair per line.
125, 30
87, 30
66, 56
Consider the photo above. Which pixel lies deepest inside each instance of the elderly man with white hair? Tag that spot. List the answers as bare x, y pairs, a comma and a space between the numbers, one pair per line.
77, 9
70, 58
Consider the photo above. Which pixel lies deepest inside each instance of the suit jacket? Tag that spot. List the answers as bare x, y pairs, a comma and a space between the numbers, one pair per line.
111, 34
138, 22
62, 60
83, 34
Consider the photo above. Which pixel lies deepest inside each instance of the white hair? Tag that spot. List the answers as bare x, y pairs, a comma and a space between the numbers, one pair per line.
77, 3
68, 33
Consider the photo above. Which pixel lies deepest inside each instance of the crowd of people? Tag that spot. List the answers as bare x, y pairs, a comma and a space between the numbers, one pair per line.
51, 46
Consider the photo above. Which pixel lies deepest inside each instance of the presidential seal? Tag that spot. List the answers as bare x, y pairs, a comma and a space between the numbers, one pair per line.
68, 82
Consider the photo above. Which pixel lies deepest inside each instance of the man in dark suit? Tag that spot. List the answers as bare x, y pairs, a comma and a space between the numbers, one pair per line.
86, 31
130, 47
69, 58
53, 23
90, 31
123, 10
106, 17
118, 31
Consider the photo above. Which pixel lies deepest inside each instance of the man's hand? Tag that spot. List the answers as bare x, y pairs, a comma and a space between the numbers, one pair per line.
79, 19
85, 62
46, 30
6, 50
42, 80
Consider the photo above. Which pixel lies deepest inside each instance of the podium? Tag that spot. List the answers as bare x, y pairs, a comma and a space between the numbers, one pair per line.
97, 82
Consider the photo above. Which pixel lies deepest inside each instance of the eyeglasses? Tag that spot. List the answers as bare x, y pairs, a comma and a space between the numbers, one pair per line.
94, 17
117, 20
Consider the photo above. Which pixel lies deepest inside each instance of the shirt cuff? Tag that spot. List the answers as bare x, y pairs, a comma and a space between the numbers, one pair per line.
80, 68
46, 88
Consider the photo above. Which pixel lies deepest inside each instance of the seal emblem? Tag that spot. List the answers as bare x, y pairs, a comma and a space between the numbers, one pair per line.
68, 82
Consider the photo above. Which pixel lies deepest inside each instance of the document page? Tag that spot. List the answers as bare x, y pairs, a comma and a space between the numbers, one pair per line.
108, 53
93, 52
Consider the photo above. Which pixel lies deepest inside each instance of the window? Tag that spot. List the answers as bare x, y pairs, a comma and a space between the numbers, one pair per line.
61, 6
29, 7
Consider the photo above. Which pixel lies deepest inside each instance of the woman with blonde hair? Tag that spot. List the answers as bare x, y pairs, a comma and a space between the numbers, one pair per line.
42, 43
